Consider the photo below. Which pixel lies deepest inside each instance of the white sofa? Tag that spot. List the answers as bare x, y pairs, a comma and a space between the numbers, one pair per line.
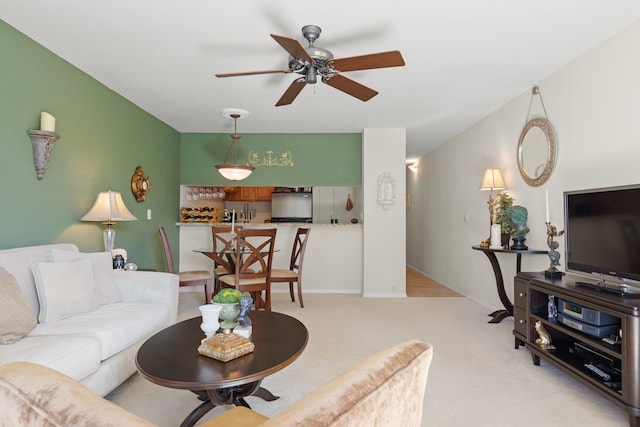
91, 319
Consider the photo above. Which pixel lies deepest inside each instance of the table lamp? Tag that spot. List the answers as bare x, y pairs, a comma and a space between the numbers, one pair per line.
492, 180
108, 208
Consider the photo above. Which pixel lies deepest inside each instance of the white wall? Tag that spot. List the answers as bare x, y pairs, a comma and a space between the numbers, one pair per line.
384, 238
594, 105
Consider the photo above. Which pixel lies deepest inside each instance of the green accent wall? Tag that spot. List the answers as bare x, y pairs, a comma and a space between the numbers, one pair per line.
103, 137
318, 159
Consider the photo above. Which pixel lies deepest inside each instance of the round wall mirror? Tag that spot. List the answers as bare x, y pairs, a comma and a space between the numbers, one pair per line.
537, 151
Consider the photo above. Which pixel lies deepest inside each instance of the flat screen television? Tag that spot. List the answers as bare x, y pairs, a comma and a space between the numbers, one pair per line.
602, 234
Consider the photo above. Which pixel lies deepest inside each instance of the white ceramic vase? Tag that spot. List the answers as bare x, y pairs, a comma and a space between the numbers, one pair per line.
210, 313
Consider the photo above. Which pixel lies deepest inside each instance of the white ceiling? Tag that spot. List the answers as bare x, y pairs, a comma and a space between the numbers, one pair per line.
464, 58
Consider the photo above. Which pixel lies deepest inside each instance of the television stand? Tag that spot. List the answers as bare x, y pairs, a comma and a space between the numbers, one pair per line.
608, 364
617, 289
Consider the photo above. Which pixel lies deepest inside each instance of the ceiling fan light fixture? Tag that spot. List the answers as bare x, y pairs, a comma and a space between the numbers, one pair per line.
311, 77
234, 171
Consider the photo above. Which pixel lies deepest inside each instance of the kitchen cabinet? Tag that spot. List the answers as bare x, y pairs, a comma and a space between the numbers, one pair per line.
248, 194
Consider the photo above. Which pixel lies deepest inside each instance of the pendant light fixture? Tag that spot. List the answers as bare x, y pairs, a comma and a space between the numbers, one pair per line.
235, 171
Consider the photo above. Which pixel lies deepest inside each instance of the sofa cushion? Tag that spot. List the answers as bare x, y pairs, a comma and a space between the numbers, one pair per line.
16, 317
64, 289
75, 356
18, 261
117, 326
104, 281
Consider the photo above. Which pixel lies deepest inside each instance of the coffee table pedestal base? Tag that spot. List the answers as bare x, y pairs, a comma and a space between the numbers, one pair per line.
225, 396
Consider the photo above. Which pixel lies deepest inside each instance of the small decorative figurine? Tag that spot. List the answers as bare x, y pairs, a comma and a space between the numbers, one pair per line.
544, 338
118, 262
554, 255
245, 307
552, 310
518, 218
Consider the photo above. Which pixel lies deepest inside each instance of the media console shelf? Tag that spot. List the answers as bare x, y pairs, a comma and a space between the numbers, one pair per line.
577, 353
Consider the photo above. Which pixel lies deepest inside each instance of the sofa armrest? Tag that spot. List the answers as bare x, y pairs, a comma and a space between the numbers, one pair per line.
150, 286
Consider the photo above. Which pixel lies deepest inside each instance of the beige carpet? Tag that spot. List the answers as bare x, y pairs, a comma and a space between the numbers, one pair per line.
477, 377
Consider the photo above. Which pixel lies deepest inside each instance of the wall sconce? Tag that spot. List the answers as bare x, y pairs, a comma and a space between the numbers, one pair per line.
108, 208
386, 190
42, 142
235, 171
413, 167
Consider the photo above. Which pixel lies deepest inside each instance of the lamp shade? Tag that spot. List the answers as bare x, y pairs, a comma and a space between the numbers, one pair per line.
235, 172
108, 207
492, 180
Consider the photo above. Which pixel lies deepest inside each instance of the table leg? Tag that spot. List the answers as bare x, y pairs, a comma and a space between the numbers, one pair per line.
265, 394
224, 396
499, 315
197, 413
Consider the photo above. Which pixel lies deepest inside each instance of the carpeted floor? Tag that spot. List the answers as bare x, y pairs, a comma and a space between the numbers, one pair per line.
477, 377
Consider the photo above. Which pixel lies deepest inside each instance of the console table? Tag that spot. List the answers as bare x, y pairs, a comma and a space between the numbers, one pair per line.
499, 315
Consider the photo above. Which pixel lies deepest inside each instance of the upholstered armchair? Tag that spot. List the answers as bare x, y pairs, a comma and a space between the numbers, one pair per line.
385, 389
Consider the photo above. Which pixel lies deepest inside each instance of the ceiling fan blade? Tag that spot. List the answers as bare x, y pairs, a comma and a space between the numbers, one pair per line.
294, 47
368, 62
292, 92
350, 87
251, 73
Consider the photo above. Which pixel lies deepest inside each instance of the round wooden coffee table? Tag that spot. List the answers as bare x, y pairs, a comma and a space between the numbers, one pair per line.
170, 358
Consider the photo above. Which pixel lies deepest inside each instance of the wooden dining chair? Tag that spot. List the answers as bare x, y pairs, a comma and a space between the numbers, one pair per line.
253, 259
222, 242
294, 273
187, 278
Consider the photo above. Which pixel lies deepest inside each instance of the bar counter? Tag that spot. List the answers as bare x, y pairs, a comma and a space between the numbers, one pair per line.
332, 264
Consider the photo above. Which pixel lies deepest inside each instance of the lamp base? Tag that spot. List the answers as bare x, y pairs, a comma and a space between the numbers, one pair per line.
109, 238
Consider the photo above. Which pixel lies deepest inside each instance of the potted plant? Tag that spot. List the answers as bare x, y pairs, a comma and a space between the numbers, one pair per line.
229, 299
503, 202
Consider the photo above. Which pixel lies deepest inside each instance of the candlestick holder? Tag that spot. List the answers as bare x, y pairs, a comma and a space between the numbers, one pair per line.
42, 142
554, 255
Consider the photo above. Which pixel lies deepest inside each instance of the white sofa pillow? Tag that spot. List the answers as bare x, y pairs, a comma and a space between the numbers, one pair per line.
104, 281
64, 289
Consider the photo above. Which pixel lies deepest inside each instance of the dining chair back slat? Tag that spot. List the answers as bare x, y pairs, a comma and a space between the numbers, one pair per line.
253, 259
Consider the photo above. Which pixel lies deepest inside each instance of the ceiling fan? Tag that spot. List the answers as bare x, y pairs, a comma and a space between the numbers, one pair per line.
311, 62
